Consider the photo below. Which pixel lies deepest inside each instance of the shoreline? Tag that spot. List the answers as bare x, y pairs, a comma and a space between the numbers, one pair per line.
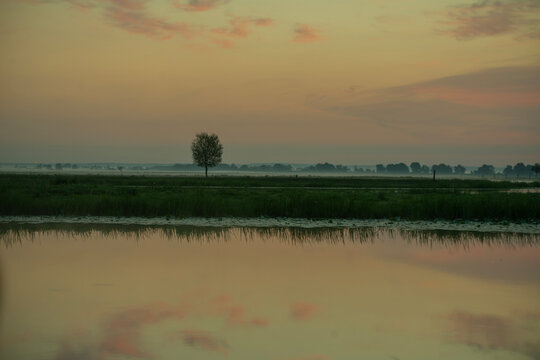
530, 227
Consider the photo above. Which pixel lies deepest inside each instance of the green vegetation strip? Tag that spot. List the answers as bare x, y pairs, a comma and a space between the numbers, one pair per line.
364, 198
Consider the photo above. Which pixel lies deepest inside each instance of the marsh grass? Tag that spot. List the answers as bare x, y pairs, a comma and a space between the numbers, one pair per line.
161, 182
140, 196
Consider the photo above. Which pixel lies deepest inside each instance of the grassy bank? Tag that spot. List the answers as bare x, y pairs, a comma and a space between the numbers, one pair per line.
407, 198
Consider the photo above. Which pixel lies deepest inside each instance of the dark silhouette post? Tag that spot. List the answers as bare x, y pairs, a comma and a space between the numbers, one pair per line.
434, 172
207, 151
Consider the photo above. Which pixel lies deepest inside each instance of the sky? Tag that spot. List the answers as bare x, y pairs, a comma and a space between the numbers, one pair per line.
302, 81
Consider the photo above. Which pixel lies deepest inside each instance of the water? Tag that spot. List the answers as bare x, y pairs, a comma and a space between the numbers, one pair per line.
135, 292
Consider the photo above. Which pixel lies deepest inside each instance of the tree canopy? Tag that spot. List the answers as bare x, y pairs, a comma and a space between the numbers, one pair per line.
207, 150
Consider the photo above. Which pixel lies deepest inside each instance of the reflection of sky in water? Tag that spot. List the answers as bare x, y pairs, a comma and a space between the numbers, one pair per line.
270, 294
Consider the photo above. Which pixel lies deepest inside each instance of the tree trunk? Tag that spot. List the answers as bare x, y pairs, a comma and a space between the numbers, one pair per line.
434, 172
206, 171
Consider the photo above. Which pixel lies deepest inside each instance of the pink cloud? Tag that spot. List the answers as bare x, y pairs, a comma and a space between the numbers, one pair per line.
125, 4
199, 5
491, 105
134, 17
140, 23
491, 17
306, 33
204, 340
302, 311
241, 27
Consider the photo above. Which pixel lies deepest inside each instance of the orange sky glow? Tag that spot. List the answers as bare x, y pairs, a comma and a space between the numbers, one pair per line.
347, 82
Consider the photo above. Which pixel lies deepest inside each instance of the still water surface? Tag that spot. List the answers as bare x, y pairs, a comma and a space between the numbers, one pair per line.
191, 293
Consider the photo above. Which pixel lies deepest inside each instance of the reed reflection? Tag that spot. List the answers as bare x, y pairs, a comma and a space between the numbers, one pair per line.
11, 234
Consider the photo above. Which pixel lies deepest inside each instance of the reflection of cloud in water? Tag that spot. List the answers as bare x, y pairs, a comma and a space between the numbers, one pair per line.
144, 315
204, 340
480, 330
76, 346
260, 321
501, 263
124, 343
493, 332
235, 314
123, 329
121, 332
302, 311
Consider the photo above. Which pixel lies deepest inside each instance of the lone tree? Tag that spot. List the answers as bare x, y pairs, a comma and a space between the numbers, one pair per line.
207, 151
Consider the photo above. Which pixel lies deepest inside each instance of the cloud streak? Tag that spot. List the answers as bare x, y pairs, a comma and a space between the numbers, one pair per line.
499, 103
240, 28
138, 22
204, 340
302, 311
491, 18
134, 17
305, 33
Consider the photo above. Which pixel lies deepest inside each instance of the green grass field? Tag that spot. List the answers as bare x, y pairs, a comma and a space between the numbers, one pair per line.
303, 197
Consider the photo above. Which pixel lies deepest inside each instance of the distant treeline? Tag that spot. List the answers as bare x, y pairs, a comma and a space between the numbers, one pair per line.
519, 170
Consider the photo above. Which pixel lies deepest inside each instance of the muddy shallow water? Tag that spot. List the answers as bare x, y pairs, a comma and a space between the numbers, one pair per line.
132, 291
